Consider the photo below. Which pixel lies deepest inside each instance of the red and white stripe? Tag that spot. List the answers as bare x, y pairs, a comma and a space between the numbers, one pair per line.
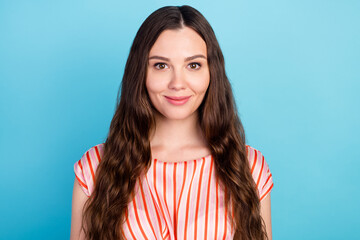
177, 200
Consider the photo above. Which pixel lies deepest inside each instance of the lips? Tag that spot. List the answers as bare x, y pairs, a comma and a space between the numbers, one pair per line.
177, 100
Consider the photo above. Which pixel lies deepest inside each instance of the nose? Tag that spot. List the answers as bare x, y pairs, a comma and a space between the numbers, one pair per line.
177, 81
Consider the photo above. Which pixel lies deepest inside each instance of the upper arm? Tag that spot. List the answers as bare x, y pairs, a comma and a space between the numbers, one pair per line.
265, 211
85, 170
263, 179
78, 200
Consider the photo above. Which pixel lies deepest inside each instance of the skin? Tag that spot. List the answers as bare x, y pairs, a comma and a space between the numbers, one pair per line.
265, 211
177, 67
78, 200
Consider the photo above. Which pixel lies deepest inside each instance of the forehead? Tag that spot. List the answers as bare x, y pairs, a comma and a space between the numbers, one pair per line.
179, 42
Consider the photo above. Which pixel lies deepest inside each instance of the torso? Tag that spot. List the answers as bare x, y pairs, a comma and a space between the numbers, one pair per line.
180, 199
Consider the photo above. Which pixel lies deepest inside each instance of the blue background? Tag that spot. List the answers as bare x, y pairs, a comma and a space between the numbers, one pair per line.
293, 65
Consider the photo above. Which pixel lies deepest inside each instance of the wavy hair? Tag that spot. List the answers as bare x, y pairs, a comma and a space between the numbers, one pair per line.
127, 152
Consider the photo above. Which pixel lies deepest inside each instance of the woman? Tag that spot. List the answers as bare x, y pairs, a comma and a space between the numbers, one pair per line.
174, 164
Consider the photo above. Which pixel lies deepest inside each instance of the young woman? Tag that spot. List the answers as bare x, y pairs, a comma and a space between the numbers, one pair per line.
175, 164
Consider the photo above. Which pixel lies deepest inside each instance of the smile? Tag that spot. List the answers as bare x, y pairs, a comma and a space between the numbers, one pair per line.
177, 100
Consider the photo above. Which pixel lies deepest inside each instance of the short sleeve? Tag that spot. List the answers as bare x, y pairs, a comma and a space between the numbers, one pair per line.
85, 168
260, 172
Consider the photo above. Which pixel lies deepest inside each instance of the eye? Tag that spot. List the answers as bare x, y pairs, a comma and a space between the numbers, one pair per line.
194, 65
160, 66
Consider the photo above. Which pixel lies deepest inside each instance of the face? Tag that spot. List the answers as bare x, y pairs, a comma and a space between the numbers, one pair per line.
178, 73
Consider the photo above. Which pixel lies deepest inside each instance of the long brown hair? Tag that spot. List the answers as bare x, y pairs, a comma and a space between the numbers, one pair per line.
127, 152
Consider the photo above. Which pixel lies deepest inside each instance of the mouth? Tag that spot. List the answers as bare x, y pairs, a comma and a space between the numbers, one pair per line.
177, 100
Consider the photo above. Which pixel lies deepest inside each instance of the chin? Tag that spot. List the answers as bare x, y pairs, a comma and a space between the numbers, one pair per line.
177, 115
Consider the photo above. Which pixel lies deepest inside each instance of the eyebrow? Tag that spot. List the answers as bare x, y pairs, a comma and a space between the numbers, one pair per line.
186, 59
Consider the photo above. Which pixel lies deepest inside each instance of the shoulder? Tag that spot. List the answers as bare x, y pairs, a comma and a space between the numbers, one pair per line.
255, 158
86, 167
260, 171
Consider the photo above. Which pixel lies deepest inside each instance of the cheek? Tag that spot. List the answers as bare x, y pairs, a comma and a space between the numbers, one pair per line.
201, 83
155, 83
151, 90
151, 86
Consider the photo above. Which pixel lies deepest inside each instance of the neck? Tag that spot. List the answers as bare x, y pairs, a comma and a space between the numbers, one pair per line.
175, 134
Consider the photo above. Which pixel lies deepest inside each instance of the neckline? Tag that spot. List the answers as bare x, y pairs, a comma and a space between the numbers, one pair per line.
186, 161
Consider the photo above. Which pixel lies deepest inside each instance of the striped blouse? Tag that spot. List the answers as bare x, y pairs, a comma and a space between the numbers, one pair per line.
177, 200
